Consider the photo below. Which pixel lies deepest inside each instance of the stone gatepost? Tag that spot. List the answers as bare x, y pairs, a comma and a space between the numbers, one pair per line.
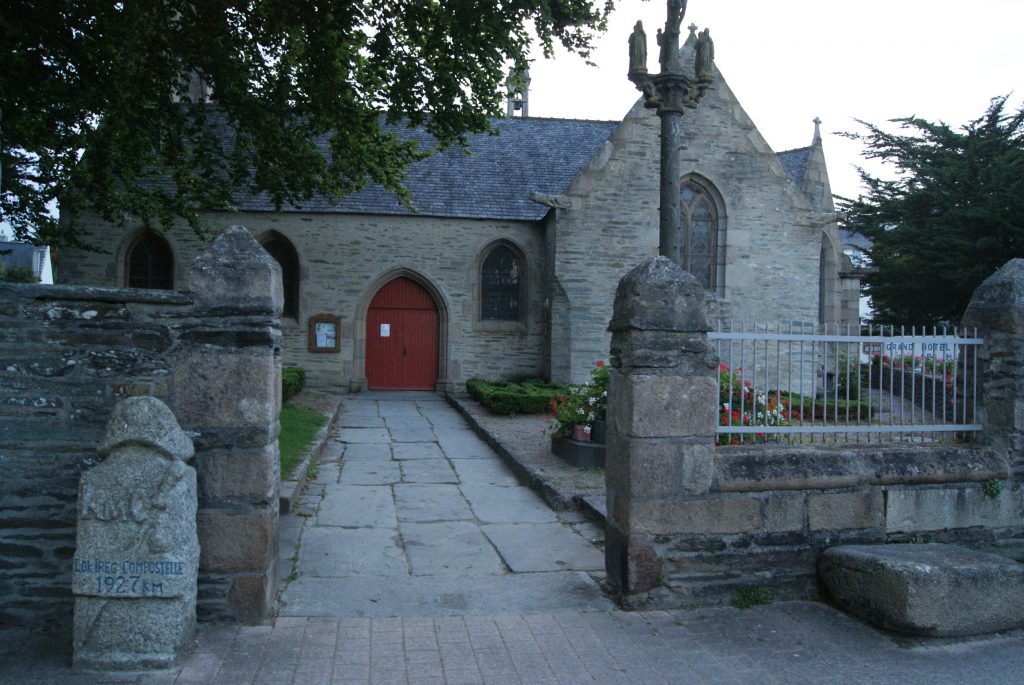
137, 553
997, 309
227, 390
662, 413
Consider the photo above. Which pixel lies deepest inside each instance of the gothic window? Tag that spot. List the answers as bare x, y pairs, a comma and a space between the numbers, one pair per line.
698, 247
283, 252
500, 278
150, 263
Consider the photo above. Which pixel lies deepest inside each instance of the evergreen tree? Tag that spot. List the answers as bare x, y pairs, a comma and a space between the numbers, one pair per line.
95, 97
952, 216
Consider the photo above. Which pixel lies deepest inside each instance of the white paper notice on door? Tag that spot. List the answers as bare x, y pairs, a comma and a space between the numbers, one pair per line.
385, 330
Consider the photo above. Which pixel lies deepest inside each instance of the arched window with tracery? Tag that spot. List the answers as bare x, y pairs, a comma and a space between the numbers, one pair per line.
500, 285
150, 263
284, 253
698, 246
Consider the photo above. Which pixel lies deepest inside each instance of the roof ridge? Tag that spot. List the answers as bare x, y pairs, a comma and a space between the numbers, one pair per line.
584, 121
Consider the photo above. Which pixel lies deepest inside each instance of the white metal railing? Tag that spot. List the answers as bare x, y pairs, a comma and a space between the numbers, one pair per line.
815, 383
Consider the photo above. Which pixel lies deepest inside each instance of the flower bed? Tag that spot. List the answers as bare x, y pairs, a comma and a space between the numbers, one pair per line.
582, 405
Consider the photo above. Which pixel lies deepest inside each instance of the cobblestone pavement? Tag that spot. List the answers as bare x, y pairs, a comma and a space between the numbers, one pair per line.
400, 571
786, 643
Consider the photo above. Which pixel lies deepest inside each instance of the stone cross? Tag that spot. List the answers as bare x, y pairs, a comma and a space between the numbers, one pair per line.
670, 92
137, 553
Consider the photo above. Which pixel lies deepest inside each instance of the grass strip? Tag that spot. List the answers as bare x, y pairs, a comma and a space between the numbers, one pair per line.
298, 428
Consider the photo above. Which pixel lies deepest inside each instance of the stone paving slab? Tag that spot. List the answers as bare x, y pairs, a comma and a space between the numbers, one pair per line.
343, 552
358, 506
525, 547
483, 472
448, 549
463, 443
416, 450
371, 472
360, 421
367, 452
364, 435
411, 434
358, 407
430, 503
428, 471
398, 408
407, 421
494, 504
442, 595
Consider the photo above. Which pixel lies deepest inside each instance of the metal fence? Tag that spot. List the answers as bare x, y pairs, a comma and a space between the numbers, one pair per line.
814, 383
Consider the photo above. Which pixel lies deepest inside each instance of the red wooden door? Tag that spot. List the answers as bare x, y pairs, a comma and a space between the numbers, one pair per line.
401, 338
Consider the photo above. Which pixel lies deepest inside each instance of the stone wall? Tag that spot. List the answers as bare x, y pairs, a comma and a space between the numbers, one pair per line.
68, 354
691, 524
770, 236
345, 258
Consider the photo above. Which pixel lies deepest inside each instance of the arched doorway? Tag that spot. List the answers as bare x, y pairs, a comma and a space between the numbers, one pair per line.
402, 338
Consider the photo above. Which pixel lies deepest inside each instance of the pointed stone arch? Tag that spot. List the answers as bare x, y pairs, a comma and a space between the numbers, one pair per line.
146, 259
702, 204
445, 380
487, 310
284, 252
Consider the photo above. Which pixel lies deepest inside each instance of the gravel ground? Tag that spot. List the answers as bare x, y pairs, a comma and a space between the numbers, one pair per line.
525, 443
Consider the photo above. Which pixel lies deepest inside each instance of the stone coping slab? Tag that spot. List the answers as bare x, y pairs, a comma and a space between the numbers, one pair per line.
931, 590
764, 468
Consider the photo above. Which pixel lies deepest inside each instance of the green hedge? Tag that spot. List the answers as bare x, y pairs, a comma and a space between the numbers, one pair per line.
532, 396
293, 380
837, 411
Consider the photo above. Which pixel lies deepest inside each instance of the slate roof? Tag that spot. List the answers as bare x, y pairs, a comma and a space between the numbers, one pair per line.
795, 163
18, 255
491, 179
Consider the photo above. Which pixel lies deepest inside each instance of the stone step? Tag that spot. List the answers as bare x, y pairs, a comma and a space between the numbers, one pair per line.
928, 589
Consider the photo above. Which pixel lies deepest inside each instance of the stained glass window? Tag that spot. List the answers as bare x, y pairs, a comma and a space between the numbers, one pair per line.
150, 263
699, 234
499, 285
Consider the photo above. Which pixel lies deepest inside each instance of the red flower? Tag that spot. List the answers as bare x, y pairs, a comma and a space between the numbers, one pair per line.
600, 363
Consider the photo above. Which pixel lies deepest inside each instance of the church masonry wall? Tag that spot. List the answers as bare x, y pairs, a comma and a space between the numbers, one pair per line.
68, 354
773, 237
341, 254
690, 523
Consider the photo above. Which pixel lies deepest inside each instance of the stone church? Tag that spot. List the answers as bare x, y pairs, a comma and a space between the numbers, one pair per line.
506, 266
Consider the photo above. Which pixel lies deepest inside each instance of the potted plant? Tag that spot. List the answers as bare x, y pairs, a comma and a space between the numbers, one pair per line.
578, 420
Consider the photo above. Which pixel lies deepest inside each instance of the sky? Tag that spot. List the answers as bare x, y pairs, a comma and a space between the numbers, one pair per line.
791, 61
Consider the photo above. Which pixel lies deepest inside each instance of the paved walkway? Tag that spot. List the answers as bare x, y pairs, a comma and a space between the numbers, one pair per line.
411, 514
421, 561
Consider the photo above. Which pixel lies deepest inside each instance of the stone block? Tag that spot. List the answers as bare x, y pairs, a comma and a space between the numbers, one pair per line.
251, 597
925, 509
791, 468
935, 590
659, 295
247, 475
903, 465
237, 542
226, 390
842, 510
720, 515
642, 468
645, 406
631, 563
136, 554
784, 513
234, 275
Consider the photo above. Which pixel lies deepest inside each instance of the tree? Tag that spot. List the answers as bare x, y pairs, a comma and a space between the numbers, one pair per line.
952, 216
99, 107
